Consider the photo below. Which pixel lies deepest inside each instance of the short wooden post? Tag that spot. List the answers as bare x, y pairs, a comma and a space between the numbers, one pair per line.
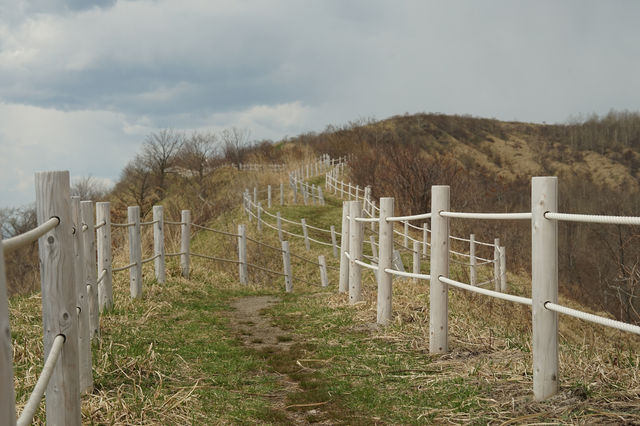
158, 243
473, 273
425, 239
385, 261
544, 286
496, 264
295, 193
268, 196
324, 280
59, 315
84, 339
259, 210
320, 196
103, 240
416, 257
355, 252
135, 252
185, 246
503, 270
279, 224
282, 194
334, 242
88, 215
438, 295
286, 261
343, 285
374, 249
305, 232
406, 233
7, 401
242, 254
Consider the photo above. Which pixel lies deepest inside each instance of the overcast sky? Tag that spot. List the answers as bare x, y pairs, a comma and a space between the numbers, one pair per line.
82, 82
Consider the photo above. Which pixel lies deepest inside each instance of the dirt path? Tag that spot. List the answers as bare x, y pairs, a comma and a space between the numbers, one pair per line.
255, 329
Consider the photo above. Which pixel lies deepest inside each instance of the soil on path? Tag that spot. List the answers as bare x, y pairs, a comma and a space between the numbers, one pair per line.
255, 330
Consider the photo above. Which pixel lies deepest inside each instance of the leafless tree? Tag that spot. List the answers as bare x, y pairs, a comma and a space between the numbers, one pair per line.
197, 153
235, 142
89, 188
159, 152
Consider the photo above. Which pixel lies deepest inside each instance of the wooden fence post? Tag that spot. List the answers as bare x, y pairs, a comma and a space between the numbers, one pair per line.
158, 243
84, 340
334, 241
279, 224
438, 294
503, 270
286, 263
406, 233
425, 239
473, 273
268, 196
8, 399
282, 194
135, 252
357, 192
320, 196
374, 250
355, 252
259, 211
185, 245
59, 315
385, 261
544, 286
242, 254
496, 264
416, 257
324, 280
87, 213
343, 285
103, 240
305, 193
305, 232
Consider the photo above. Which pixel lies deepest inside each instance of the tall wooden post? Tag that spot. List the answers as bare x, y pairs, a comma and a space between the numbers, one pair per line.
185, 246
438, 294
259, 210
59, 315
355, 252
385, 261
425, 239
286, 263
135, 252
305, 232
242, 254
103, 240
496, 264
416, 257
343, 285
334, 242
87, 212
7, 401
158, 243
406, 233
544, 286
473, 273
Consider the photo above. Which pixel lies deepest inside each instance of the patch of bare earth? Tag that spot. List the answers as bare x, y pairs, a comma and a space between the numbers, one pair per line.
256, 330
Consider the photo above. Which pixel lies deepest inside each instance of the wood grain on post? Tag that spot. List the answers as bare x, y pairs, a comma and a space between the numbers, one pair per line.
438, 293
87, 213
185, 247
103, 240
7, 401
59, 316
406, 233
343, 285
425, 239
544, 286
355, 252
84, 326
135, 252
158, 243
242, 254
385, 261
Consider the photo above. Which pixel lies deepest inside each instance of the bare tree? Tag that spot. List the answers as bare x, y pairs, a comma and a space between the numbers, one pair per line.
89, 188
235, 143
136, 184
197, 153
159, 152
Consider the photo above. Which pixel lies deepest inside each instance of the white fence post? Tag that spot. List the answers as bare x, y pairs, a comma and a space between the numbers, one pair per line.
286, 261
185, 247
373, 214
242, 254
259, 211
158, 243
279, 224
59, 315
355, 252
416, 257
406, 233
374, 250
313, 194
385, 261
357, 191
135, 252
425, 239
282, 194
103, 239
496, 264
343, 285
324, 280
268, 196
544, 286
84, 340
503, 270
305, 232
8, 399
320, 196
438, 293
473, 273
87, 213
334, 241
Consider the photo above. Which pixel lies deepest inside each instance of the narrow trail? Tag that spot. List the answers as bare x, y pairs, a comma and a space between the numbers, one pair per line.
255, 330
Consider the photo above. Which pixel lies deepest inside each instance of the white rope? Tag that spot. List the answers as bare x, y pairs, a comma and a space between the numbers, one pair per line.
30, 236
492, 293
150, 259
608, 322
593, 218
366, 265
459, 254
26, 417
122, 225
101, 277
406, 218
168, 222
419, 228
149, 223
367, 219
100, 225
490, 216
129, 266
459, 239
408, 274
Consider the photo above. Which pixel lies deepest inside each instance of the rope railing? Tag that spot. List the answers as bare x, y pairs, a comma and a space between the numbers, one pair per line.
421, 216
124, 268
484, 291
607, 322
100, 225
219, 259
31, 236
153, 222
122, 225
217, 231
169, 222
151, 259
592, 218
487, 216
260, 243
